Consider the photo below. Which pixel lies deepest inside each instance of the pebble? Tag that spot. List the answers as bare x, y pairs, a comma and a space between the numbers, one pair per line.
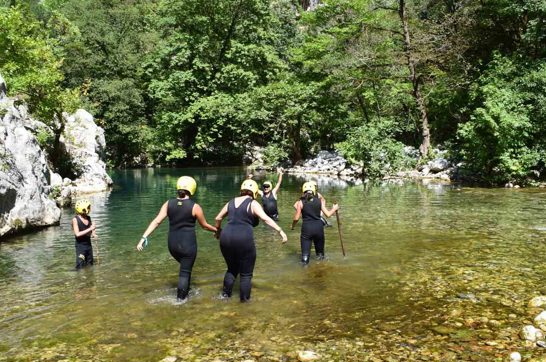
515, 357
304, 356
169, 359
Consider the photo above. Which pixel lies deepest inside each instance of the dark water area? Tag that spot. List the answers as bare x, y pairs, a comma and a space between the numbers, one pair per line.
433, 272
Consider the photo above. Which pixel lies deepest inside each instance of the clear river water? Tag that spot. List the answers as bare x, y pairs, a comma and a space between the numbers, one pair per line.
432, 273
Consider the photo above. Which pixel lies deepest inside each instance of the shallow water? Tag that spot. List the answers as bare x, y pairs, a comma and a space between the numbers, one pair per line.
433, 272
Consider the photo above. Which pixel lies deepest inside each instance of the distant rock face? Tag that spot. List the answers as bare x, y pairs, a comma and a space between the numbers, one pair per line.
85, 144
23, 174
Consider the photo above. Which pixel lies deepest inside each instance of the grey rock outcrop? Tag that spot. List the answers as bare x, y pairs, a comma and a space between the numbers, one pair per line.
3, 90
27, 184
85, 144
24, 201
328, 163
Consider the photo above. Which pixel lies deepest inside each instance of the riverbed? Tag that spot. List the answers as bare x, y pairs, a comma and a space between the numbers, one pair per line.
433, 272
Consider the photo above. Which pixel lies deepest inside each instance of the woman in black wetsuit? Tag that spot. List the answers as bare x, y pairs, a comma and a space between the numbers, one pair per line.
182, 212
84, 229
237, 239
312, 229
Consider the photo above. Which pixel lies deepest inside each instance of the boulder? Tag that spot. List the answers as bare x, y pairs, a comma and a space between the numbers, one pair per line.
438, 165
85, 144
24, 174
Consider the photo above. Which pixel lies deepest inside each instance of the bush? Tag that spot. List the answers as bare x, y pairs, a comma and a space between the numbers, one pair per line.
375, 146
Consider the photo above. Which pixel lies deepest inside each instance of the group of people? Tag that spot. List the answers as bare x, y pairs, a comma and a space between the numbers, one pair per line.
236, 238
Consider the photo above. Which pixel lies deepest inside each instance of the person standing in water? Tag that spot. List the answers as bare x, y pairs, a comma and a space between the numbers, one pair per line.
182, 212
237, 239
84, 229
309, 207
269, 196
322, 200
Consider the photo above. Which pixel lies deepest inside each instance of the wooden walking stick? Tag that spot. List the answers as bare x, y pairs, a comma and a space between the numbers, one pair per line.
339, 231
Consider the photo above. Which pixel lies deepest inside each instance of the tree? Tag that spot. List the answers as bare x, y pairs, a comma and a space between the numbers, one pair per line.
32, 71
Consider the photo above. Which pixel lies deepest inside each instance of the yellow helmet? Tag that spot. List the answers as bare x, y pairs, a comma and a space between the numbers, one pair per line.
187, 183
268, 184
309, 186
250, 185
83, 206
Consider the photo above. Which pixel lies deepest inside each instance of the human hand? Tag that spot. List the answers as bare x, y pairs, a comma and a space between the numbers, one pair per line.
142, 243
217, 233
283, 236
335, 207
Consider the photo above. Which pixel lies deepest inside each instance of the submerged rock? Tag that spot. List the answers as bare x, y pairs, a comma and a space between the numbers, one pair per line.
304, 356
515, 357
540, 320
530, 333
538, 302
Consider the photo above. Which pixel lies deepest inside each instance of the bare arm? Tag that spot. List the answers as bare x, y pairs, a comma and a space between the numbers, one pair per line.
218, 220
153, 225
258, 211
330, 212
297, 215
198, 213
279, 181
77, 231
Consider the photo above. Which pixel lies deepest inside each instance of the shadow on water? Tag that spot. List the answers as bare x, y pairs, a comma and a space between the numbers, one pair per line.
431, 271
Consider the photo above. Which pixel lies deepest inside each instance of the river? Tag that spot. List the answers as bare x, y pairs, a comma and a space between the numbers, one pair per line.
432, 272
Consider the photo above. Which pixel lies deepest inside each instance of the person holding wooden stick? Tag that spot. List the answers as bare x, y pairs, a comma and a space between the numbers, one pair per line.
309, 207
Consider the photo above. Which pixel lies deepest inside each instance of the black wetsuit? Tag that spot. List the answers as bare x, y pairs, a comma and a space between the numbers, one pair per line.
182, 240
312, 228
84, 249
269, 204
238, 248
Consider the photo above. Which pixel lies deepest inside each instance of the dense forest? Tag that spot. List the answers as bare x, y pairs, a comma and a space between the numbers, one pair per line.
201, 82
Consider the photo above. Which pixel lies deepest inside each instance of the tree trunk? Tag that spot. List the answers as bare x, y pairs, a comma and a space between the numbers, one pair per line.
296, 142
416, 81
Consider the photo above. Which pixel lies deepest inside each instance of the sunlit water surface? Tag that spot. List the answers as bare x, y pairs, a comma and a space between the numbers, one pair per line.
428, 268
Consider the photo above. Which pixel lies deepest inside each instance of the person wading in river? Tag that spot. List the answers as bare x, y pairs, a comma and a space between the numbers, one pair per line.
182, 212
309, 207
269, 196
322, 200
237, 239
84, 229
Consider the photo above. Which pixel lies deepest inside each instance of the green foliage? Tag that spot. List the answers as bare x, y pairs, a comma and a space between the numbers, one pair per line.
274, 155
105, 44
30, 67
44, 138
374, 145
504, 139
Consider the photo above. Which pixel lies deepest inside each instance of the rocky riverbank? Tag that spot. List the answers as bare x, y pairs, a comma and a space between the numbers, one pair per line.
329, 165
31, 193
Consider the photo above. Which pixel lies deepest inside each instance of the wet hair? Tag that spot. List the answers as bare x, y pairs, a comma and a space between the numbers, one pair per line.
307, 196
183, 193
247, 193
